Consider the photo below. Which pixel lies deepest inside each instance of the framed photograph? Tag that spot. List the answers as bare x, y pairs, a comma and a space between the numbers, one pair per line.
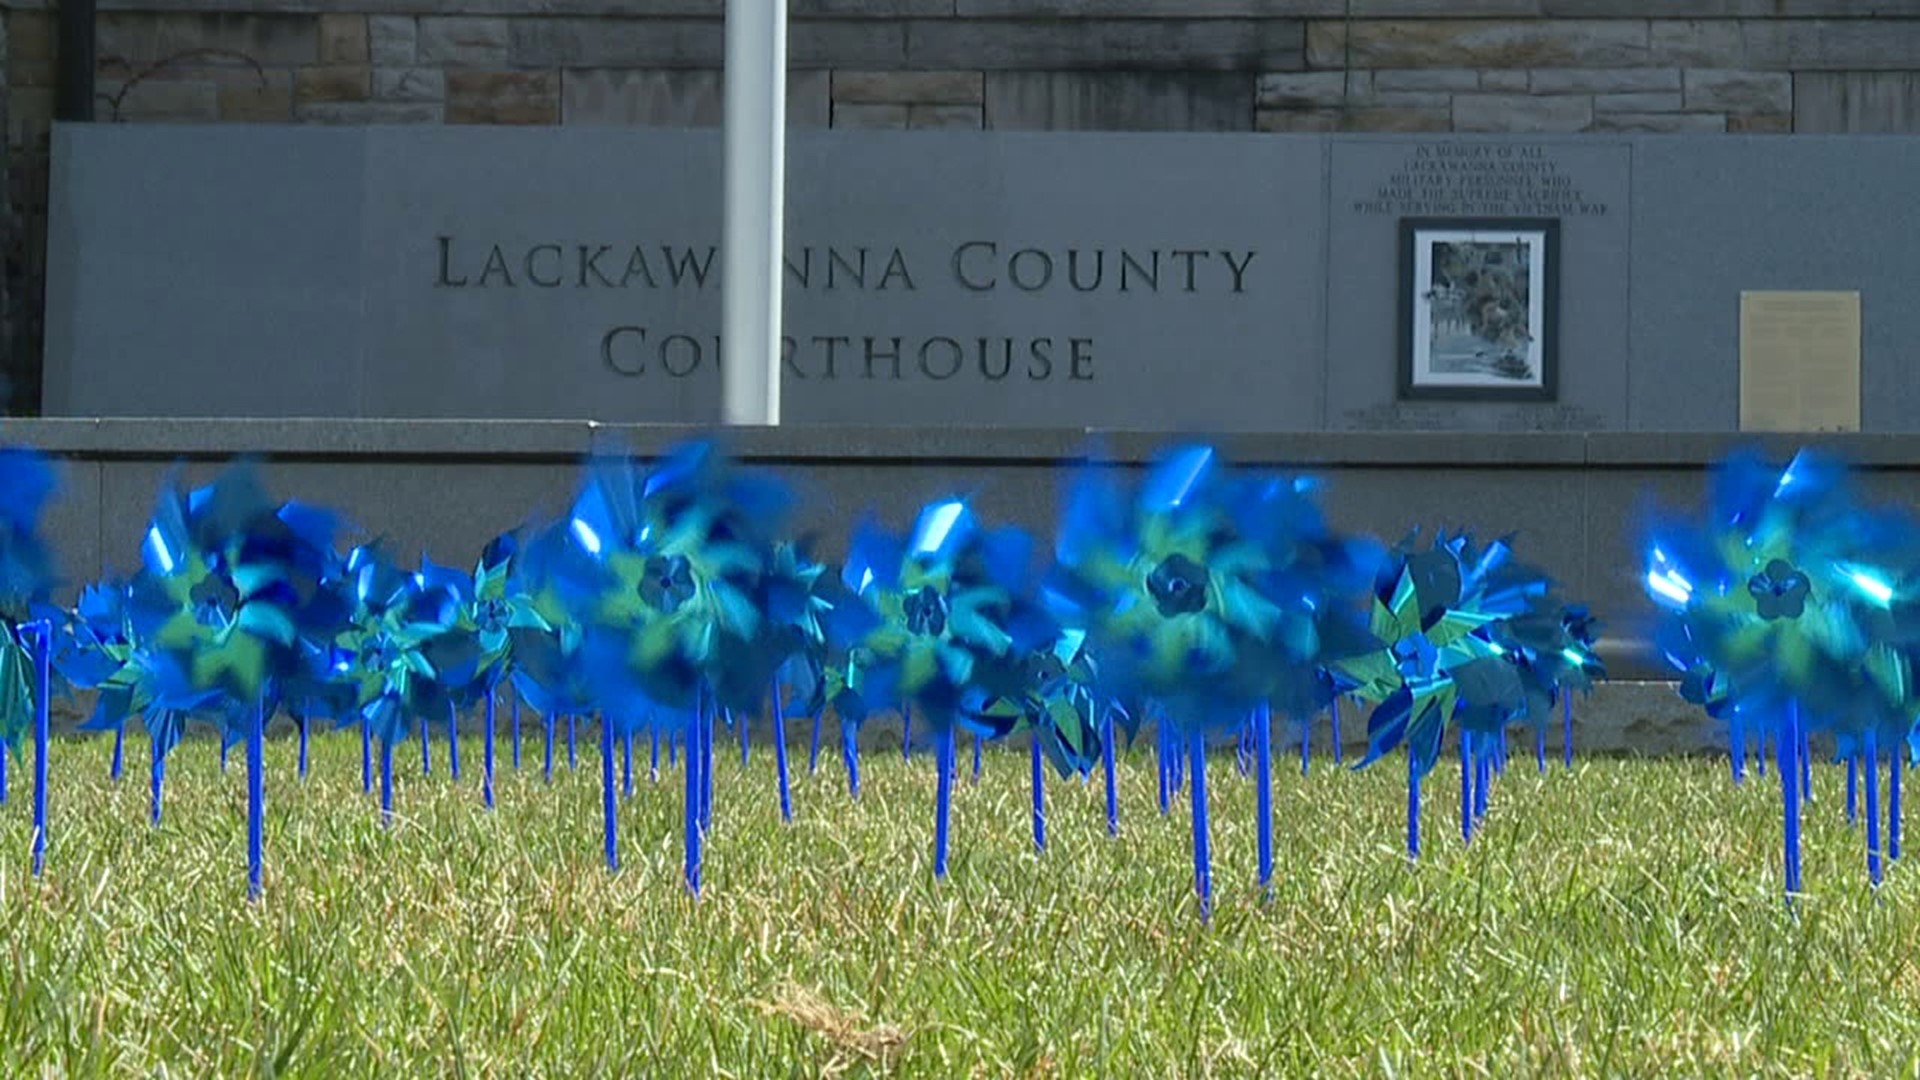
1478, 307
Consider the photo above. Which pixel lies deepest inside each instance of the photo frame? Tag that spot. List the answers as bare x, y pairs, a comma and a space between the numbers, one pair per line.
1479, 309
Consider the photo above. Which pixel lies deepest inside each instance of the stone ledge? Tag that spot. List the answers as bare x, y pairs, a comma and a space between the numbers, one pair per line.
130, 438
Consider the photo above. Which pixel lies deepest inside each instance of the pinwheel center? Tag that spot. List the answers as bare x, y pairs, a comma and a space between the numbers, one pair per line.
1043, 667
668, 582
1179, 586
1779, 591
214, 601
378, 653
926, 612
491, 615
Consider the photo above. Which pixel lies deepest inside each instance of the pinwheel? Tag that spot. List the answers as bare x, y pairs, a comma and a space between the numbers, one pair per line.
1060, 711
27, 484
1441, 613
488, 608
1175, 589
1801, 604
941, 625
232, 592
800, 599
1553, 650
668, 579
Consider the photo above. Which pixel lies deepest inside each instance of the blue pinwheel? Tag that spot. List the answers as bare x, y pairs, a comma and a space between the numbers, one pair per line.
800, 598
942, 624
234, 593
1793, 606
1062, 714
1180, 593
1441, 613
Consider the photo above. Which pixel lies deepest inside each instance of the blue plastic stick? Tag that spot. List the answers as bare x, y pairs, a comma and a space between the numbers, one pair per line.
426, 745
156, 777
1202, 853
1500, 753
1413, 808
550, 725
850, 753
1263, 797
780, 753
742, 721
573, 741
224, 747
673, 748
693, 801
943, 800
626, 765
1871, 759
486, 762
1466, 788
976, 757
1895, 767
1540, 747
653, 769
3, 774
1737, 757
513, 718
1306, 743
813, 746
1790, 797
1853, 788
1333, 713
906, 732
1243, 748
257, 803
366, 759
609, 819
453, 741
386, 782
1760, 758
1566, 729
1107, 754
42, 684
119, 754
1039, 784
1484, 756
1160, 748
302, 768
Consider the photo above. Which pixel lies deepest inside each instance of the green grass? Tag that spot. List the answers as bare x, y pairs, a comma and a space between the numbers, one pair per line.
1621, 919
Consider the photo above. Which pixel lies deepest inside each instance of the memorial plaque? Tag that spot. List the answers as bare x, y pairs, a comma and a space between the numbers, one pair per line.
1799, 361
1579, 186
1138, 281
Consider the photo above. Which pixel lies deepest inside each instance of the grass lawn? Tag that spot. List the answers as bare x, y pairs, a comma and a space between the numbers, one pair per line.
1624, 918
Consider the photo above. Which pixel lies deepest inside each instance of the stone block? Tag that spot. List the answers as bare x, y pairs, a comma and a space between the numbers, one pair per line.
362, 113
153, 100
463, 41
1760, 123
676, 98
1494, 43
313, 85
343, 39
1118, 101
1661, 123
393, 39
915, 87
1505, 80
1176, 44
503, 97
870, 117
1740, 91
1696, 43
1604, 80
1408, 99
563, 42
1867, 102
1648, 102
1292, 121
1516, 113
944, 117
409, 84
1426, 80
1828, 44
1296, 89
29, 48
272, 103
1398, 119
142, 38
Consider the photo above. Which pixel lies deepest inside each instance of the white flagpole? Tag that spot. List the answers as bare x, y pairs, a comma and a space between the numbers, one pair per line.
754, 226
